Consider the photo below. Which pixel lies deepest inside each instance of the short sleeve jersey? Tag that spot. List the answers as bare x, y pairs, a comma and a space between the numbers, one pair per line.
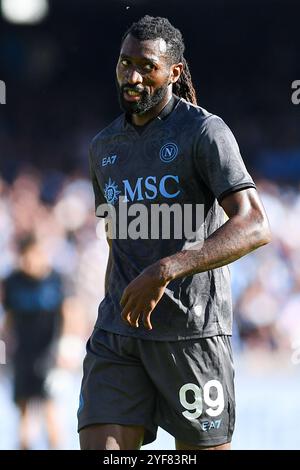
190, 159
35, 308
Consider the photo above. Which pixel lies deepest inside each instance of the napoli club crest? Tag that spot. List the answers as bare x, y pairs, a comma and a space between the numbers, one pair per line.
168, 152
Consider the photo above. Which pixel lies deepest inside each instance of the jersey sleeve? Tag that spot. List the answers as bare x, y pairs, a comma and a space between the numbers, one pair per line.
98, 193
218, 159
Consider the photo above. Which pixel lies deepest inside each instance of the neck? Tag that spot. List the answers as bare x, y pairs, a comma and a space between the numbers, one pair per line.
141, 120
37, 272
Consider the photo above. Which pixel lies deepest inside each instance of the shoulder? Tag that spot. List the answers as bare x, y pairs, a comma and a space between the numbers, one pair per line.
13, 277
54, 275
54, 278
111, 130
193, 111
11, 283
203, 120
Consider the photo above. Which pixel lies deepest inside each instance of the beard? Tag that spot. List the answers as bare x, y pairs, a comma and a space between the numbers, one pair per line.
146, 101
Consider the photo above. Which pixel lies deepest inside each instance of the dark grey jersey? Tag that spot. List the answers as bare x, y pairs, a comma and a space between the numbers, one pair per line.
188, 159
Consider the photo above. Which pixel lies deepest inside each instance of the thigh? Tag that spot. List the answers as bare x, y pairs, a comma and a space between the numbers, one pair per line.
196, 390
116, 390
111, 437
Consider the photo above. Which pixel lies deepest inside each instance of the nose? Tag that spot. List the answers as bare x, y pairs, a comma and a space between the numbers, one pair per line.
134, 77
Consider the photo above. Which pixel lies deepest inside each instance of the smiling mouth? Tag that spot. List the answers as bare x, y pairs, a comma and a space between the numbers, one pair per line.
131, 95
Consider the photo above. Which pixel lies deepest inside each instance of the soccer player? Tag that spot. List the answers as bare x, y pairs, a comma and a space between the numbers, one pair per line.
32, 297
160, 353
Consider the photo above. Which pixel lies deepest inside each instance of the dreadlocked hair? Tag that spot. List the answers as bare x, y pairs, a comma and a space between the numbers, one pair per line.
150, 28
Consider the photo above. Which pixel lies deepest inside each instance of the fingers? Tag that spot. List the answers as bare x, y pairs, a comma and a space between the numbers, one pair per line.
132, 312
126, 314
132, 316
134, 319
146, 321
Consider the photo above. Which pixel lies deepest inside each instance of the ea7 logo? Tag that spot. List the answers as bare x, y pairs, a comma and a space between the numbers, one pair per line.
2, 92
109, 160
208, 425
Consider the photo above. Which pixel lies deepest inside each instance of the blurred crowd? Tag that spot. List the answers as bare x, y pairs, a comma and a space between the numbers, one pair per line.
266, 283
68, 232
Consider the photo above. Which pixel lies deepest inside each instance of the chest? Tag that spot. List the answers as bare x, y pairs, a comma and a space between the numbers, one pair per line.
158, 168
27, 297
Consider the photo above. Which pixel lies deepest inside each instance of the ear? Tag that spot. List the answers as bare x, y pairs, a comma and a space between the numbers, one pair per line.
176, 70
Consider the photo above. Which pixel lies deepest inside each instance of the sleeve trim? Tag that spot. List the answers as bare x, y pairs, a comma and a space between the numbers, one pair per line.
234, 189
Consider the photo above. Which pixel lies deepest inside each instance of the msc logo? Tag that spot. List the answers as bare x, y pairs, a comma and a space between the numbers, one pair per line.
168, 152
144, 188
149, 188
111, 192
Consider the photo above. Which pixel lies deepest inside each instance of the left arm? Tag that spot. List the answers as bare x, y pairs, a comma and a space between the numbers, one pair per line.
246, 229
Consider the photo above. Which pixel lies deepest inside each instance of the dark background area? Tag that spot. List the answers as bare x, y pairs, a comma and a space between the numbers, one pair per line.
60, 77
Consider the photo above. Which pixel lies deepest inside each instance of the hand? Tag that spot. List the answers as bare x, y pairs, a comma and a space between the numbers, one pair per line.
142, 295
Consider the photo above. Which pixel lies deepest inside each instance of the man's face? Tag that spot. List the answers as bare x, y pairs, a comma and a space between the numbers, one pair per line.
34, 260
143, 74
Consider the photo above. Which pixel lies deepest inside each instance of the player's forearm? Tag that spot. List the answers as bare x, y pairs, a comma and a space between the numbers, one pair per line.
234, 239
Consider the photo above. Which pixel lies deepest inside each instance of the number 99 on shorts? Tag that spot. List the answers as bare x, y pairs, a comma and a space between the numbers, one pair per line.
212, 396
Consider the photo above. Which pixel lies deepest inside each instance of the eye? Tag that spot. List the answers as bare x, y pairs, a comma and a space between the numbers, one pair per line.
148, 67
124, 62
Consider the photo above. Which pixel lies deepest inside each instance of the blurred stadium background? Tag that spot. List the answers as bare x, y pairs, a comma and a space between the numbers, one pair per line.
60, 91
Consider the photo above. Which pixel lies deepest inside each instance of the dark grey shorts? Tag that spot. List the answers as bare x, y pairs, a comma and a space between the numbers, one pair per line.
185, 387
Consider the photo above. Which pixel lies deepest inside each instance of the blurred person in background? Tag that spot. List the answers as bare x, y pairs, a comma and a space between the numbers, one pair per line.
32, 299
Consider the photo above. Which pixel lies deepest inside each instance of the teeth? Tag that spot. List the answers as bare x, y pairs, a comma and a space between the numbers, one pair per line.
133, 93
